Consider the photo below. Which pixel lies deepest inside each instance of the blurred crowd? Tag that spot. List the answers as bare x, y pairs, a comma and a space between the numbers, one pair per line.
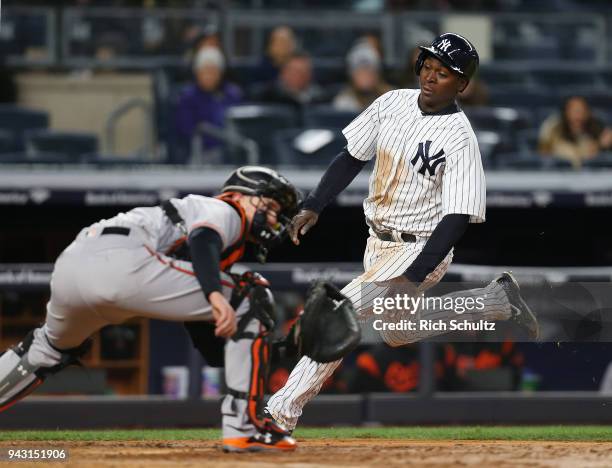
193, 104
357, 5
285, 76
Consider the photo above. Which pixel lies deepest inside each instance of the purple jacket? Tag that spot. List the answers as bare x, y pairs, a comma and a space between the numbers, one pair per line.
195, 106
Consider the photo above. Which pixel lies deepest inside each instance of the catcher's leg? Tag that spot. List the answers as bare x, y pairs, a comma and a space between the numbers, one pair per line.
247, 356
26, 365
61, 341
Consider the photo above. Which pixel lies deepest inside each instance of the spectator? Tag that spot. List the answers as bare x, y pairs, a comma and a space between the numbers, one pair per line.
204, 101
281, 46
372, 39
294, 85
574, 135
475, 94
198, 38
366, 82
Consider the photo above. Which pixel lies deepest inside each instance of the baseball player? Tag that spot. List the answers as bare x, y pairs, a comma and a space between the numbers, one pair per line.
124, 267
427, 185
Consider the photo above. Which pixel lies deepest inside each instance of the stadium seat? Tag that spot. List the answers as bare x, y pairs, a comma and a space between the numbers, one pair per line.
490, 144
561, 79
594, 97
13, 158
557, 163
603, 160
111, 160
308, 147
606, 76
494, 76
522, 50
516, 96
327, 117
543, 113
499, 119
520, 161
72, 144
527, 140
17, 120
257, 123
6, 141
41, 158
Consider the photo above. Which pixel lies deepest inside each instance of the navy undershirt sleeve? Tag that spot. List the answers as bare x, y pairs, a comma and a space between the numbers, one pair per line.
340, 173
205, 246
446, 234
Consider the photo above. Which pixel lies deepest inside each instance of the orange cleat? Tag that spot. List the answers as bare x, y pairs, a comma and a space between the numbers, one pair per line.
260, 442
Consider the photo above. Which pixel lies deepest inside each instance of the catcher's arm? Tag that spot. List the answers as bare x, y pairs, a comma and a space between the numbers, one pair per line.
205, 247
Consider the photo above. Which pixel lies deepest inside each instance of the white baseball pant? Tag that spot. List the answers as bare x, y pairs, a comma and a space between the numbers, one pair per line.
383, 260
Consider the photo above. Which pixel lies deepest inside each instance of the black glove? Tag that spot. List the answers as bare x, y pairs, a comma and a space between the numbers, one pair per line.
327, 330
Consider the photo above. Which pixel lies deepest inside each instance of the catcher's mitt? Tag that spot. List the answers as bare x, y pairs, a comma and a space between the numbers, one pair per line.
327, 330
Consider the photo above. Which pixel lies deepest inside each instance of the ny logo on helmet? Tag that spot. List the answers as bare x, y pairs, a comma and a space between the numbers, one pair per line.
444, 45
429, 163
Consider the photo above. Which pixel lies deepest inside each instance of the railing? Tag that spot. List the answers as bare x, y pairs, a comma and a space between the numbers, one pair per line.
132, 38
28, 36
326, 35
110, 127
228, 137
515, 37
147, 38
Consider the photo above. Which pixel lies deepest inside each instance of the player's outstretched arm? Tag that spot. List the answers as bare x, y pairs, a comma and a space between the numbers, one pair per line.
340, 173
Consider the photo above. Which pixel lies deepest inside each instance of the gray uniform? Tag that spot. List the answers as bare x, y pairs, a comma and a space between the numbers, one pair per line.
104, 278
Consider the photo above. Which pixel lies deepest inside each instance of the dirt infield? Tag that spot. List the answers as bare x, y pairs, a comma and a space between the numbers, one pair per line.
321, 453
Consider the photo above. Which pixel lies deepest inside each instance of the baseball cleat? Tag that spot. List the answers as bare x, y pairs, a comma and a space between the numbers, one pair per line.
272, 424
260, 442
521, 313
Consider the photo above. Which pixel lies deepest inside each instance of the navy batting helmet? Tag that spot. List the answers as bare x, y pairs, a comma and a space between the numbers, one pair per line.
454, 51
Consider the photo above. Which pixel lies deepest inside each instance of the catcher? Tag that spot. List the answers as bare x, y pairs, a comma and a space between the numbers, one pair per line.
129, 266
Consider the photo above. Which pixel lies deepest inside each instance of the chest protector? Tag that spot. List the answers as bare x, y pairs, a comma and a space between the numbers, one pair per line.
180, 249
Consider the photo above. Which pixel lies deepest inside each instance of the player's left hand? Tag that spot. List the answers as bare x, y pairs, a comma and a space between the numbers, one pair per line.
224, 315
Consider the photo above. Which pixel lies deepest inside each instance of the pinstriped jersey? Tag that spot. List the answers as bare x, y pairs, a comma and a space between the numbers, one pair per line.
427, 165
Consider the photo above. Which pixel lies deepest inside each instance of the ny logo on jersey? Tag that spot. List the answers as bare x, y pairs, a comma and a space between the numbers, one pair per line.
429, 163
444, 45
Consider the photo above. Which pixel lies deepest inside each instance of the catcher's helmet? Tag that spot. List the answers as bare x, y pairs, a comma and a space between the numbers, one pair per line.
261, 181
454, 51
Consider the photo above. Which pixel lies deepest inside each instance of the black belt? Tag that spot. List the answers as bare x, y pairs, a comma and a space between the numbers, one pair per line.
122, 231
388, 236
